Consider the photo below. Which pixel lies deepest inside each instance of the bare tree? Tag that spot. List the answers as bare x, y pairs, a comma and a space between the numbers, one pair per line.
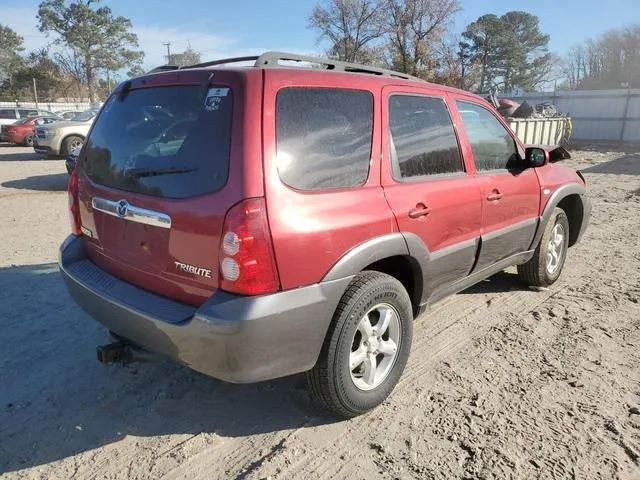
350, 26
611, 61
415, 29
188, 57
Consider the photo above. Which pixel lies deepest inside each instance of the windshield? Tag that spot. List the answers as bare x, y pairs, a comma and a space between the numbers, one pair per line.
84, 116
165, 141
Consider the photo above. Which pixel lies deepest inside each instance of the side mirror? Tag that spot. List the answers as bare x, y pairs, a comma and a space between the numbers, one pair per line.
536, 157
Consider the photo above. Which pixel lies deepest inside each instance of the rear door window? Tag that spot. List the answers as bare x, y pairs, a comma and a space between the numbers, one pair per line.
166, 141
7, 114
27, 113
423, 141
323, 137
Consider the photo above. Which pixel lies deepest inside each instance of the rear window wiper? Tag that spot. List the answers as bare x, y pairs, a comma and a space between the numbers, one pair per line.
153, 172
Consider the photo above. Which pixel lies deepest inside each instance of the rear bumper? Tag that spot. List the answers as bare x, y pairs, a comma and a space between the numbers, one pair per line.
233, 338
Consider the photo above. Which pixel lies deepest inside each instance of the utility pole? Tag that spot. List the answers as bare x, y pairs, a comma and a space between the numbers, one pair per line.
35, 91
168, 45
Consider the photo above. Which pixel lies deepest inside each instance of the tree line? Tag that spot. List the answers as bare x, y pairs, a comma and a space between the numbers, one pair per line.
610, 61
414, 37
90, 48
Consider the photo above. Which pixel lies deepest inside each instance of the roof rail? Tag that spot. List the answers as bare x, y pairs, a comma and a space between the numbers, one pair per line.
273, 59
164, 68
224, 61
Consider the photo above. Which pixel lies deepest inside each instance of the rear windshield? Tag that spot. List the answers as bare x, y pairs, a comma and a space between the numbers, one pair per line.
166, 141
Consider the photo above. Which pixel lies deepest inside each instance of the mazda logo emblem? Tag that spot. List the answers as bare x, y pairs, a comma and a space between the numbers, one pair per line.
123, 207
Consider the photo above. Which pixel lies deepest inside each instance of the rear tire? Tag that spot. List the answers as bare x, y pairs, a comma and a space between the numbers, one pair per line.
547, 262
366, 348
28, 141
70, 143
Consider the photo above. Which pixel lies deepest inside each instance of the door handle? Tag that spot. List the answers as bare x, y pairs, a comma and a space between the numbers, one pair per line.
494, 196
421, 210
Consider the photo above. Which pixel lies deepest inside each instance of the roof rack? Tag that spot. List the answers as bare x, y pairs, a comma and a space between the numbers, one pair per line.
164, 68
273, 59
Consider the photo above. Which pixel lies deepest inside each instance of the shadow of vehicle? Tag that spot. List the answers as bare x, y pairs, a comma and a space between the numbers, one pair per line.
56, 400
500, 282
56, 182
627, 165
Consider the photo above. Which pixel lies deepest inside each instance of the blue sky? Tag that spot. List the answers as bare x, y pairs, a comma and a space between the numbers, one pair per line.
236, 27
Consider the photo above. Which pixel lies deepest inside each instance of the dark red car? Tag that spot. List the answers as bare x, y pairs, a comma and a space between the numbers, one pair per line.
256, 222
21, 132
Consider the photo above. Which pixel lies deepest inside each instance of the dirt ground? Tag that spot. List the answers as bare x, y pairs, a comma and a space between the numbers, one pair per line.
503, 381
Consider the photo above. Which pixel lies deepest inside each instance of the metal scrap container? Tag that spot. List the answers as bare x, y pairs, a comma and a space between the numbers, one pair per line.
540, 131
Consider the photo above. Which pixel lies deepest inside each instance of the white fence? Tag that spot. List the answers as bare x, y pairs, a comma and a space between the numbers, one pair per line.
596, 114
51, 106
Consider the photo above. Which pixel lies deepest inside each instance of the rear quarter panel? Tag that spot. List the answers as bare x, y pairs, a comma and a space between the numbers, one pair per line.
312, 230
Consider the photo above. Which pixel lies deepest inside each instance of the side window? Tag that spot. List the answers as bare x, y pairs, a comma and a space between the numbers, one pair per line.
493, 146
9, 113
27, 113
422, 139
323, 137
40, 121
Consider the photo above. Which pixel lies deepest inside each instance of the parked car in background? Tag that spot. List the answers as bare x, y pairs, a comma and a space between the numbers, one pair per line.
60, 138
271, 220
11, 114
21, 132
68, 114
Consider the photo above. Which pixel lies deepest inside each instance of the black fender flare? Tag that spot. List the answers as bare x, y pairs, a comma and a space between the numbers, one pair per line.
371, 251
557, 196
407, 245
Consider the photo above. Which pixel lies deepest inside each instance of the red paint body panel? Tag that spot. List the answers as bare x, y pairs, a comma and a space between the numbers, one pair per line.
552, 176
312, 230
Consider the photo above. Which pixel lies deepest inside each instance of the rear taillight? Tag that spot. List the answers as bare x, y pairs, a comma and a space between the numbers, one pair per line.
74, 204
247, 264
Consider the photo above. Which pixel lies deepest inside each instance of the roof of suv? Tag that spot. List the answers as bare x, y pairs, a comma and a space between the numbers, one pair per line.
272, 60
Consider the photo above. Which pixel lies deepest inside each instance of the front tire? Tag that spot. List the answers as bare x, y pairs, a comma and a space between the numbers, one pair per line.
366, 348
547, 262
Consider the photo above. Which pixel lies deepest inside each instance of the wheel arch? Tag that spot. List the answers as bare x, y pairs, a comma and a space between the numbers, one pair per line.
387, 254
570, 197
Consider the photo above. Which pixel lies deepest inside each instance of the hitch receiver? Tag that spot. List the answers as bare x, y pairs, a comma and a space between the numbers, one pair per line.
114, 352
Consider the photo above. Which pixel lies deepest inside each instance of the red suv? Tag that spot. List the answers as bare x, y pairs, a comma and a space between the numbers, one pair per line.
256, 222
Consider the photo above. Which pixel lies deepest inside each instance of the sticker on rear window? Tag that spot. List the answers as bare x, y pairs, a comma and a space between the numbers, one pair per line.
214, 98
217, 92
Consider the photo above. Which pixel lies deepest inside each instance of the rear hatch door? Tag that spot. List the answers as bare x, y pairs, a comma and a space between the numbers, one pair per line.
153, 175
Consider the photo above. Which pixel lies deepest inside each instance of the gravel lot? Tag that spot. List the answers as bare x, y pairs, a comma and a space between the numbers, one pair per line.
503, 381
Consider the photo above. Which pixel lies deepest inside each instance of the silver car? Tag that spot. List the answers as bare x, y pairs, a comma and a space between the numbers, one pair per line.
61, 138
